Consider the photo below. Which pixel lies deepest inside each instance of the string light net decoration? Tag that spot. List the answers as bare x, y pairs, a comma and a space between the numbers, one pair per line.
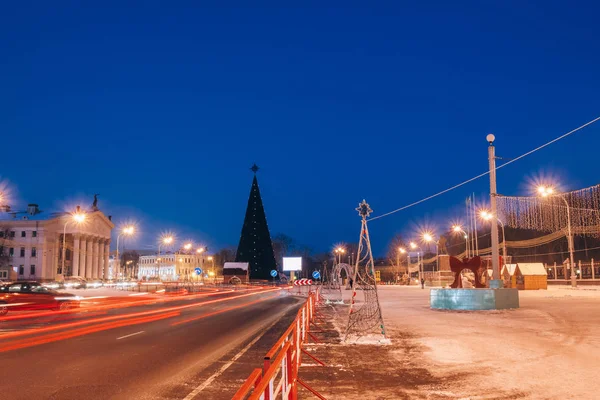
364, 317
549, 214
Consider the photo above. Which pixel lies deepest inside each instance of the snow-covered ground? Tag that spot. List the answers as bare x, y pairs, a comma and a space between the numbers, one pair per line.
547, 349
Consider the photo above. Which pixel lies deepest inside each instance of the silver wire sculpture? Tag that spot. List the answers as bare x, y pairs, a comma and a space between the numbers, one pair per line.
364, 317
332, 287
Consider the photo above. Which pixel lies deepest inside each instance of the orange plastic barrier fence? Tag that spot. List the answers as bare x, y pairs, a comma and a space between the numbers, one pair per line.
279, 376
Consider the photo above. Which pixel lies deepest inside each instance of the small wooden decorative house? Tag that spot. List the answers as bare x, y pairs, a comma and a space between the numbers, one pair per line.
508, 275
531, 276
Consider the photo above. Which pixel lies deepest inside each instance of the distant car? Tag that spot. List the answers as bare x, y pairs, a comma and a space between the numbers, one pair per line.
19, 296
75, 282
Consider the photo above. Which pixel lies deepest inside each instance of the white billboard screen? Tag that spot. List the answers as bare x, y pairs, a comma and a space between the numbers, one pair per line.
292, 263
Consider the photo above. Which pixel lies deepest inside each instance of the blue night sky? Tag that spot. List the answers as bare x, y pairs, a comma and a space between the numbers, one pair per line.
162, 107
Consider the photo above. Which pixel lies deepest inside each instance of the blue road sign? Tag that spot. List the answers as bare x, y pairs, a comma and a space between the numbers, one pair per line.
316, 275
273, 273
198, 270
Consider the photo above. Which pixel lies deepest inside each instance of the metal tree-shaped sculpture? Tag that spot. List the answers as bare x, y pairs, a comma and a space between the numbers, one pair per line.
367, 316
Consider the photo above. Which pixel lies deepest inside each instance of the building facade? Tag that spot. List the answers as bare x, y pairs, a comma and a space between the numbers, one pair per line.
171, 266
33, 241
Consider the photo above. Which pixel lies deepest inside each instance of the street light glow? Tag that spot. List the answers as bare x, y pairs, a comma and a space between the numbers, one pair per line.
340, 250
200, 250
129, 230
210, 258
427, 237
402, 250
545, 191
457, 228
167, 239
187, 246
413, 245
79, 217
485, 215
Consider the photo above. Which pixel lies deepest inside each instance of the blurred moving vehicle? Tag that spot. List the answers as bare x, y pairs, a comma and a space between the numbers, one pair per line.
94, 284
25, 295
54, 285
75, 282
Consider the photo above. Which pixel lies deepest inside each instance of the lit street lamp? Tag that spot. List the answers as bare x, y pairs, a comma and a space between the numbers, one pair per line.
77, 218
487, 216
402, 250
459, 229
127, 231
428, 238
548, 191
414, 246
339, 251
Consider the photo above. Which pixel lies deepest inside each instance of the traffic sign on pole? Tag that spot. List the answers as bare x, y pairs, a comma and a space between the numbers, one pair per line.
273, 273
316, 275
198, 270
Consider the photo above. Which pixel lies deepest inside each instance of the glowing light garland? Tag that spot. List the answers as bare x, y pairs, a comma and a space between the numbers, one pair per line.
549, 214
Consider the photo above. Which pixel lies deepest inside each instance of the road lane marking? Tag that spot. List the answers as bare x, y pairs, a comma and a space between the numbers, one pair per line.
133, 334
214, 376
212, 314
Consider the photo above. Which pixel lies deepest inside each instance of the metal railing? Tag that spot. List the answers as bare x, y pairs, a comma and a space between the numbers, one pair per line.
586, 271
279, 376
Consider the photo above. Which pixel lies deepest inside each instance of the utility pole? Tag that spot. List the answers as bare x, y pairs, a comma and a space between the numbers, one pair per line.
495, 283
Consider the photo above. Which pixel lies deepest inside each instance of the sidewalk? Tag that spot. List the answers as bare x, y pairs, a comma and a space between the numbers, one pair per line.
547, 349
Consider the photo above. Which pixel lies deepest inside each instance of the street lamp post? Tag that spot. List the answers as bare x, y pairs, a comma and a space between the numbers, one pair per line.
199, 251
496, 281
398, 262
127, 231
428, 238
212, 261
459, 229
77, 217
486, 216
402, 250
546, 191
414, 246
165, 240
339, 251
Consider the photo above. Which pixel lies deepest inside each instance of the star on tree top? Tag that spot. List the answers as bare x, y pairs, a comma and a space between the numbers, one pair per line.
364, 210
254, 168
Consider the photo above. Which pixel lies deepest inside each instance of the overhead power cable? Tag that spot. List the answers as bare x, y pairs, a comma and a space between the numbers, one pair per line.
486, 173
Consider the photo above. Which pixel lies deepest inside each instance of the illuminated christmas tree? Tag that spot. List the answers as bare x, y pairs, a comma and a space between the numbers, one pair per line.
255, 245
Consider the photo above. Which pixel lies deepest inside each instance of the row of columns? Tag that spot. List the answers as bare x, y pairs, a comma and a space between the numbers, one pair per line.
90, 256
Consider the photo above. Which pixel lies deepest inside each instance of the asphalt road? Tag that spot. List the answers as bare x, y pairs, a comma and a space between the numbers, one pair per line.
142, 347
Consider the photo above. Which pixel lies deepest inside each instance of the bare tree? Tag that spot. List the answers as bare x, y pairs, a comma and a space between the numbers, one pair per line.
4, 246
129, 262
224, 255
282, 244
394, 255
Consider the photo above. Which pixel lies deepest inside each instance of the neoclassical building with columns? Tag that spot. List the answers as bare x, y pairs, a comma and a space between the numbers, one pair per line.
33, 240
